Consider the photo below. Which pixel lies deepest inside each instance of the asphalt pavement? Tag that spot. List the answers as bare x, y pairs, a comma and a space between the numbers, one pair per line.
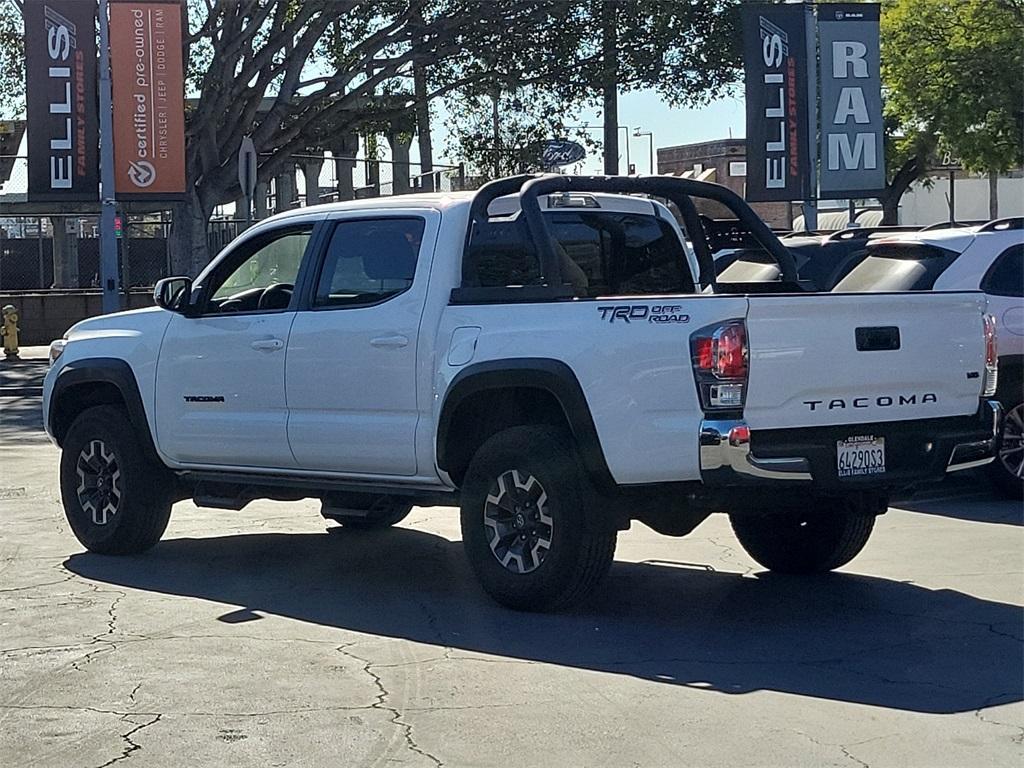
268, 637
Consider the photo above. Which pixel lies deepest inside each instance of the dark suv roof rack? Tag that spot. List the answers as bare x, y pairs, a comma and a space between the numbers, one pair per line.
1002, 225
673, 188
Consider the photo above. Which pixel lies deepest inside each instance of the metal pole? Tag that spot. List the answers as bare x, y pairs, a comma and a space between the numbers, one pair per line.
952, 195
108, 243
810, 205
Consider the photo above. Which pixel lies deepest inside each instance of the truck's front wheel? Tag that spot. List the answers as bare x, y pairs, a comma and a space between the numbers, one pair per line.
116, 501
526, 526
815, 541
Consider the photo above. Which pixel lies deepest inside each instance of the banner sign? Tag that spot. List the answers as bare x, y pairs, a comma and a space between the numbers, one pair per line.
852, 163
60, 82
775, 64
149, 110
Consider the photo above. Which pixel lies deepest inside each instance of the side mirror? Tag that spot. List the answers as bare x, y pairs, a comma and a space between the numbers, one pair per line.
172, 293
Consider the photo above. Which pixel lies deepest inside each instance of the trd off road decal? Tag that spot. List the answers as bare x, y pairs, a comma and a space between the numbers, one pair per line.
643, 313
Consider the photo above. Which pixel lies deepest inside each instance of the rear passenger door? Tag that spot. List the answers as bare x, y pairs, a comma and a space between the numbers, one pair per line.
352, 352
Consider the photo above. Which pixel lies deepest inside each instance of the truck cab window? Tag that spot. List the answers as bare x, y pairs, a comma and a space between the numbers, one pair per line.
600, 253
368, 261
261, 275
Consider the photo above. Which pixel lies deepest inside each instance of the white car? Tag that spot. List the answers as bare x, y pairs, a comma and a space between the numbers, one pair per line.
990, 258
539, 353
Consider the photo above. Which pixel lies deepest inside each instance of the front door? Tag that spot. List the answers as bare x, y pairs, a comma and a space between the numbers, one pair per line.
220, 377
351, 367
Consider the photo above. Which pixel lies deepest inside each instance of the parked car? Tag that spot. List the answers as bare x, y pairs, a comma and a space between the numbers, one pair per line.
989, 258
541, 354
821, 259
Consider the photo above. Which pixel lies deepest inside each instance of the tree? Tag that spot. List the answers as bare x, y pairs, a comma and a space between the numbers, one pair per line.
688, 51
499, 131
952, 76
293, 74
12, 61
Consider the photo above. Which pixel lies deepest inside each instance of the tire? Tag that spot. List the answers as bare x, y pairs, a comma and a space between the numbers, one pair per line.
527, 482
380, 516
1007, 471
117, 502
814, 542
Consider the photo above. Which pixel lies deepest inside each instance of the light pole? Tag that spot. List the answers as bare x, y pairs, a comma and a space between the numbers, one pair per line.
650, 137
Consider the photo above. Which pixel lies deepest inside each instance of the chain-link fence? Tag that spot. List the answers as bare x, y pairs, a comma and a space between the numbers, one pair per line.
61, 250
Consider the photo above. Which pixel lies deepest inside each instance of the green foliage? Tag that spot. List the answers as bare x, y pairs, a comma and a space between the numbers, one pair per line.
953, 72
12, 61
689, 51
527, 117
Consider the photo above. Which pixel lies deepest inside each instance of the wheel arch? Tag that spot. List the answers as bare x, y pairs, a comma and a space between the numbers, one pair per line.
486, 397
1011, 380
85, 383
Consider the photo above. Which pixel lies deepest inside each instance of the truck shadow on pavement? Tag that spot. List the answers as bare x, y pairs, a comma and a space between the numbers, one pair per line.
841, 637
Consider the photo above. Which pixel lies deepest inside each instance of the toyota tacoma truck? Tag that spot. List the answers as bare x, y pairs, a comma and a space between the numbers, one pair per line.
553, 355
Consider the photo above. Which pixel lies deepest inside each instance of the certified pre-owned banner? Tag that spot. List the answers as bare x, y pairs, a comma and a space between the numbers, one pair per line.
60, 80
851, 101
148, 89
775, 63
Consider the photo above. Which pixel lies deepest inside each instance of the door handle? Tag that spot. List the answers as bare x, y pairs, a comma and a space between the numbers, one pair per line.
390, 342
267, 345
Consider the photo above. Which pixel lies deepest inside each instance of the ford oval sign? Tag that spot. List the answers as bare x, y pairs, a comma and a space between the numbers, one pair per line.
558, 152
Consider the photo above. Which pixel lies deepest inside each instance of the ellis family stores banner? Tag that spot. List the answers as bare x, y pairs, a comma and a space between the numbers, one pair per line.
781, 45
63, 112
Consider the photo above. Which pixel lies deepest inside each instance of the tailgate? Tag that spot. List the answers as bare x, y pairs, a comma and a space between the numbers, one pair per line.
915, 356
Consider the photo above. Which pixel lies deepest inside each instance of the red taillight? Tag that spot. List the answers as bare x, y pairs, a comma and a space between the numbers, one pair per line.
719, 354
991, 357
705, 353
731, 362
990, 340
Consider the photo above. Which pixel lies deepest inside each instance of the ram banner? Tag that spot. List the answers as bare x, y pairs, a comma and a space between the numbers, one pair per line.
149, 109
60, 81
775, 65
852, 162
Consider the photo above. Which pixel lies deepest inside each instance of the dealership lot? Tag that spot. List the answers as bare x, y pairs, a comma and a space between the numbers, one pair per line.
260, 638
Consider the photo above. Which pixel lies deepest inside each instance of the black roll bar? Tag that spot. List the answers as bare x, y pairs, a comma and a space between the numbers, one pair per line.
675, 189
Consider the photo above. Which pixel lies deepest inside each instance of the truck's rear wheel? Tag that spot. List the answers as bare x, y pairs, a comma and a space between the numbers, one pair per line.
526, 528
116, 501
813, 542
1007, 471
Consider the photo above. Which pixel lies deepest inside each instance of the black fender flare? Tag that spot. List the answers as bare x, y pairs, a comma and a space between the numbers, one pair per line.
103, 370
546, 374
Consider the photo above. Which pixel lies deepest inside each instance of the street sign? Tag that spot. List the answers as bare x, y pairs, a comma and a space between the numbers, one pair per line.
247, 167
247, 174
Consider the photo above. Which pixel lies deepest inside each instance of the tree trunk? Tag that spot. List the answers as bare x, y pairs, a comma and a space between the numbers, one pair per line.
890, 198
993, 195
423, 139
609, 86
187, 244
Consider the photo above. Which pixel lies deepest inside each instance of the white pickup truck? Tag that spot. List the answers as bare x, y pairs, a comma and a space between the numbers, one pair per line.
552, 354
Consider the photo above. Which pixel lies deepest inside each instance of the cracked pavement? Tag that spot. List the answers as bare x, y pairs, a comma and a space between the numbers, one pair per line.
263, 638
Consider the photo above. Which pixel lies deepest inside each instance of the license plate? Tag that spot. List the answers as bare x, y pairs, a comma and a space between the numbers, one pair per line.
860, 455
